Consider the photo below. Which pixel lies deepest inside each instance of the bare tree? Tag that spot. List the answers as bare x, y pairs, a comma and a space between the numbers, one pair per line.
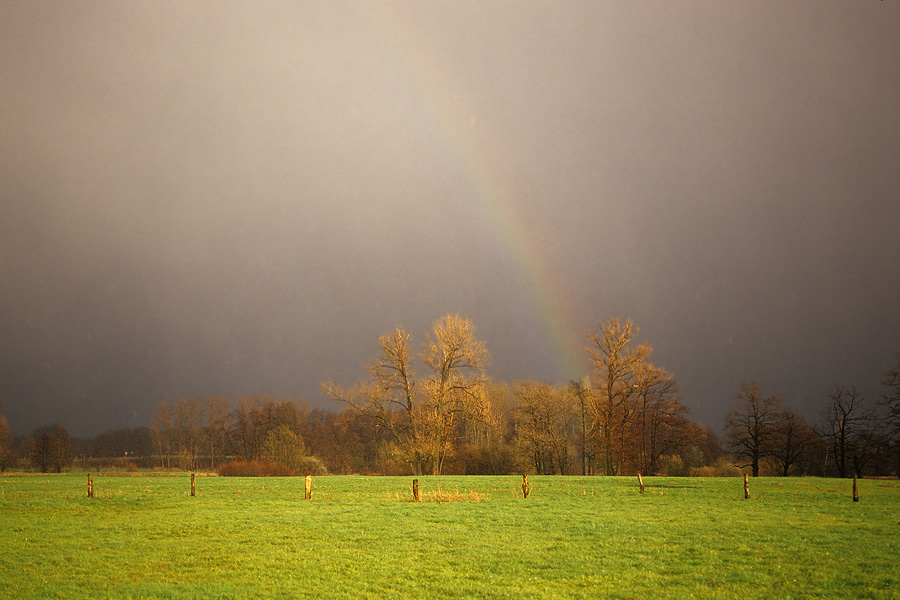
389, 398
615, 365
542, 418
658, 423
251, 424
792, 440
581, 390
256, 416
49, 448
218, 418
189, 426
422, 414
454, 386
6, 454
61, 453
750, 427
847, 420
162, 430
890, 399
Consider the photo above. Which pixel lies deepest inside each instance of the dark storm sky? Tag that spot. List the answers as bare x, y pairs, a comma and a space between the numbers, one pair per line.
238, 198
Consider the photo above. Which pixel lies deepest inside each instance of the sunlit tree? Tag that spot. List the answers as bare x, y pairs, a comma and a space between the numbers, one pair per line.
616, 362
422, 414
283, 446
658, 425
581, 391
254, 417
542, 416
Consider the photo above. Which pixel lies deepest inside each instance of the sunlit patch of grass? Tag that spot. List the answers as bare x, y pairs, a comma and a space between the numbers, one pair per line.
441, 495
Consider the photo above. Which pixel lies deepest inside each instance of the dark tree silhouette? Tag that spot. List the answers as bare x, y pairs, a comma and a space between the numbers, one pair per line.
750, 428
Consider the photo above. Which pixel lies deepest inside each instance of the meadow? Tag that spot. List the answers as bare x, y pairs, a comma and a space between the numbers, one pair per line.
473, 537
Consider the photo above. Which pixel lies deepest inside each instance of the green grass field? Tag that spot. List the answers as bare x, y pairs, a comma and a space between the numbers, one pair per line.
361, 537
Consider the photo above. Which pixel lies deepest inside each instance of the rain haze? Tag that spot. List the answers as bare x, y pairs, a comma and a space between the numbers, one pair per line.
238, 198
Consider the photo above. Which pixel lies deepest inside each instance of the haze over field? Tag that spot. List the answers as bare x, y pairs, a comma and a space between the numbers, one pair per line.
232, 199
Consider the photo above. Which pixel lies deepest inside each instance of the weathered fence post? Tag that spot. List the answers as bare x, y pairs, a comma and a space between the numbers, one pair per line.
308, 487
641, 481
416, 496
855, 490
525, 489
90, 486
746, 487
193, 488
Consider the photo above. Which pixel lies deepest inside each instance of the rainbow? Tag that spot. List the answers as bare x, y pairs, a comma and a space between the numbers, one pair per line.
443, 98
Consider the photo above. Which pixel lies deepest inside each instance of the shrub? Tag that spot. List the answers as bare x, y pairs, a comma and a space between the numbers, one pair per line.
254, 468
672, 466
311, 465
721, 468
283, 446
487, 460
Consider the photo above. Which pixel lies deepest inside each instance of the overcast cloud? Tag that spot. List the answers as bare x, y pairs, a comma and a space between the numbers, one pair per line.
235, 198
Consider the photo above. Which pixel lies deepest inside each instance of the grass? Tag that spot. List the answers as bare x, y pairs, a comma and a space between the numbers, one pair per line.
472, 537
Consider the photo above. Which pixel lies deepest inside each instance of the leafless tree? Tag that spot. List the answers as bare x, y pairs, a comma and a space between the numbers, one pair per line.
61, 453
218, 419
6, 453
750, 428
422, 414
49, 447
542, 416
658, 420
615, 363
890, 399
792, 440
846, 424
189, 427
581, 391
162, 430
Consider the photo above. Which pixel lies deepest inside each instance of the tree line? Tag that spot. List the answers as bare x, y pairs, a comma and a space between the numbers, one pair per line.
436, 411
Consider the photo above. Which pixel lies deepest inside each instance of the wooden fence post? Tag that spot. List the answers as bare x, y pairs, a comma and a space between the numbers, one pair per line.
308, 487
746, 487
90, 486
525, 489
416, 496
193, 488
855, 490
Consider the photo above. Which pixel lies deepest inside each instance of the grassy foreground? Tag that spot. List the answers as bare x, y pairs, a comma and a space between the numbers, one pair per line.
360, 537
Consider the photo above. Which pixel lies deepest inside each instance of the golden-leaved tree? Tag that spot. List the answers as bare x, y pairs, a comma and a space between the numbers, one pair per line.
422, 414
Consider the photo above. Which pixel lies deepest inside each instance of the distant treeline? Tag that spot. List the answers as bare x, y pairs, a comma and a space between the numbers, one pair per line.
626, 418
